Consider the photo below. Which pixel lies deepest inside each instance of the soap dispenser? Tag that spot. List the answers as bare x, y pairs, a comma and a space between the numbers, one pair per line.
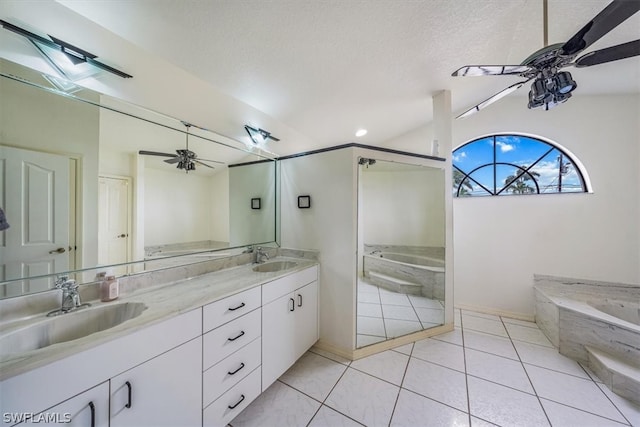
109, 289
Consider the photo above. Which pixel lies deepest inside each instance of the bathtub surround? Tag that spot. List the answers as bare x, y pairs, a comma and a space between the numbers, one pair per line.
408, 270
595, 323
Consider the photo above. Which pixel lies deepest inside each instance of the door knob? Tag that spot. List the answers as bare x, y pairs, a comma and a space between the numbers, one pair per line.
122, 236
58, 251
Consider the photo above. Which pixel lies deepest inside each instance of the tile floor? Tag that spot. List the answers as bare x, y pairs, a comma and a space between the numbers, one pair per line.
385, 314
488, 371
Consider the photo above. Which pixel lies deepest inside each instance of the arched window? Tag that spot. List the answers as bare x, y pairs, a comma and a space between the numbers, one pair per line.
498, 165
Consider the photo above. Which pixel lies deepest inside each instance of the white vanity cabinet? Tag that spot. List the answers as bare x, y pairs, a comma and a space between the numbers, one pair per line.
290, 322
165, 391
88, 409
231, 356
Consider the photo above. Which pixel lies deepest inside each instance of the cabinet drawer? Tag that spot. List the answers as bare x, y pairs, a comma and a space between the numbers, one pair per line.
227, 309
230, 404
229, 338
228, 372
284, 285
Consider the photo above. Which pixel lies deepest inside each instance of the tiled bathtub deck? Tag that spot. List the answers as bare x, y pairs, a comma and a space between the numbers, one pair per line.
488, 371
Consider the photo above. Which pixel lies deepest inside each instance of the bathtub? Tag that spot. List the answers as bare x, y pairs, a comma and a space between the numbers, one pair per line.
407, 273
582, 317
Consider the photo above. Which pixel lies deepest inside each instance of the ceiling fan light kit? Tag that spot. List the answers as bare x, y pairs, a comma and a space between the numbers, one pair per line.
551, 86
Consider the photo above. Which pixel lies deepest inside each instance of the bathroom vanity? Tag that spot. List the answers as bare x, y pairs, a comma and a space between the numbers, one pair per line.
200, 352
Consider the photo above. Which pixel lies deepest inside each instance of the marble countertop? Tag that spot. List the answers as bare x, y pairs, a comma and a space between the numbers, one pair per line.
163, 301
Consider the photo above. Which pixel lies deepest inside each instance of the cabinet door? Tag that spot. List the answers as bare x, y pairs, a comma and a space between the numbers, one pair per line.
88, 409
306, 321
278, 332
289, 329
165, 391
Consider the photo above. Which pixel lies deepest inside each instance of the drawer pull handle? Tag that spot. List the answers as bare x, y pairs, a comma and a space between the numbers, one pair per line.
237, 403
238, 336
237, 370
128, 405
293, 304
93, 414
236, 308
299, 300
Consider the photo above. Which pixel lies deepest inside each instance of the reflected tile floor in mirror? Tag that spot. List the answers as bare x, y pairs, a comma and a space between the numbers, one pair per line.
384, 314
489, 371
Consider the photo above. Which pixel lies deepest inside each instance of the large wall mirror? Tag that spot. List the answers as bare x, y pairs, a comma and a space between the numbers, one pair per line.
78, 194
401, 249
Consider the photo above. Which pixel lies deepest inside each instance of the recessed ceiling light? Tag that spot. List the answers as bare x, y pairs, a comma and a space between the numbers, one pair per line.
361, 132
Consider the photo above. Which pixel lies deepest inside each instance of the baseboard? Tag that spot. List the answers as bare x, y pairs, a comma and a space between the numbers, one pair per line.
359, 353
497, 312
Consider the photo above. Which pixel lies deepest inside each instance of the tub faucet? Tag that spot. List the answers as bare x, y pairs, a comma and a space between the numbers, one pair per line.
261, 255
377, 251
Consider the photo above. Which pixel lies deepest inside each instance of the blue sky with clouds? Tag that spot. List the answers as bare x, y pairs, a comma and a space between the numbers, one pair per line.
515, 150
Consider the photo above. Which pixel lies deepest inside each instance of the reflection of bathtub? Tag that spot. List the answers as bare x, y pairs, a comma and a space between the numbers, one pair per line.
406, 273
586, 318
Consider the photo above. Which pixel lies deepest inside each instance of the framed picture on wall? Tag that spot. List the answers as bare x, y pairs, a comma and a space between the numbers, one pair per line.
304, 202
255, 203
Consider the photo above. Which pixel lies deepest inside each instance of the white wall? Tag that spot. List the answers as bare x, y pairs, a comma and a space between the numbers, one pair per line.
247, 225
177, 207
500, 242
403, 207
328, 226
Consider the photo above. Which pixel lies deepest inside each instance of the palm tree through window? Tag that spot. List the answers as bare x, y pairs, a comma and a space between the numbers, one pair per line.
514, 164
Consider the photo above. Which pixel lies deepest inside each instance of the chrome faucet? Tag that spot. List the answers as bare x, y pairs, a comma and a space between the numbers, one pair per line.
70, 296
261, 255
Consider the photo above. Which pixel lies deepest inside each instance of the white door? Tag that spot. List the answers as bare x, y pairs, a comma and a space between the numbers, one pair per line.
34, 189
114, 221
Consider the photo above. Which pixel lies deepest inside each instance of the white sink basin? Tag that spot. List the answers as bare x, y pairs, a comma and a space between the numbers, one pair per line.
274, 266
68, 327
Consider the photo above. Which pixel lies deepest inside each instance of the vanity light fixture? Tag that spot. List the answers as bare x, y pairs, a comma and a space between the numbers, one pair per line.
361, 132
259, 136
71, 62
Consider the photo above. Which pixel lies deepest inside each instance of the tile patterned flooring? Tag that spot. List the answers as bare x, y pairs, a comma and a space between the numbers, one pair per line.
488, 371
385, 314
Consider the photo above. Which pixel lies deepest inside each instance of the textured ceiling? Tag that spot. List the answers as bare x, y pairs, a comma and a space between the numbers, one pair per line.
326, 68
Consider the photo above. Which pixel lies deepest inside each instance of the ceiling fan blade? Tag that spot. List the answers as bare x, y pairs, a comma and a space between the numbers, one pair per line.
605, 21
493, 99
203, 164
174, 160
212, 161
613, 53
490, 70
155, 153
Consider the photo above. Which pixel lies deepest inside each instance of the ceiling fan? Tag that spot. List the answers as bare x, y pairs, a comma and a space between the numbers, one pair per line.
551, 86
185, 158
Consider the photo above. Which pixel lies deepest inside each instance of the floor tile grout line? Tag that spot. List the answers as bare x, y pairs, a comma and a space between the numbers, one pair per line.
588, 378
613, 403
466, 375
406, 368
544, 411
585, 411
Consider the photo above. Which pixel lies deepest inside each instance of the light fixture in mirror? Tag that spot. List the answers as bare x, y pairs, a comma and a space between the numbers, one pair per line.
401, 247
113, 206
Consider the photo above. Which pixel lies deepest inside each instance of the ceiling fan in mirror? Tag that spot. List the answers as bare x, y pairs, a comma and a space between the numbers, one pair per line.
551, 86
185, 158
